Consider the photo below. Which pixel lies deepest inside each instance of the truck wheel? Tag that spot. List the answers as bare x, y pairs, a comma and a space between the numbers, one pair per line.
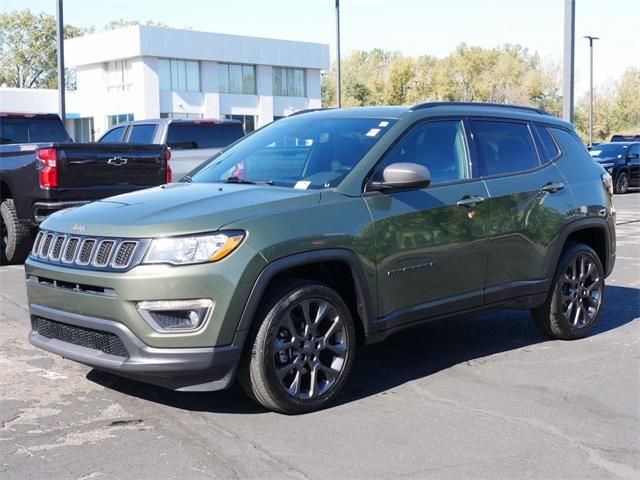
16, 239
302, 349
573, 306
622, 183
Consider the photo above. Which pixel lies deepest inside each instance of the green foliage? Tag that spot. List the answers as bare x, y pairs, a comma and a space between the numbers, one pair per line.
28, 49
508, 74
122, 22
616, 108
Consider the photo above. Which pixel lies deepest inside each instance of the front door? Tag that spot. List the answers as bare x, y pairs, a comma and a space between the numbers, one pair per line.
430, 243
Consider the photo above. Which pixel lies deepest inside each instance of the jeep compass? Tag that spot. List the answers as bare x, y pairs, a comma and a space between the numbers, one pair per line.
273, 262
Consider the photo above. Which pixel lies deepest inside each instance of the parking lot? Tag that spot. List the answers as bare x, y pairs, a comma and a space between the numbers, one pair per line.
484, 397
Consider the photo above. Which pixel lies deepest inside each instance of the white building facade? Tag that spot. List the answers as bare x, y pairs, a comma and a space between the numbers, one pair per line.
143, 72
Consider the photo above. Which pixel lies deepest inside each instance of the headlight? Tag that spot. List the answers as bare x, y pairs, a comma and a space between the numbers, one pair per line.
193, 249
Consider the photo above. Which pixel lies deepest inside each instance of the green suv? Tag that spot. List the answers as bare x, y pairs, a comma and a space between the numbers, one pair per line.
323, 232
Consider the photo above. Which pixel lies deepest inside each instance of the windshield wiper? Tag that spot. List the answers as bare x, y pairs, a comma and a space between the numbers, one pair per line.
244, 181
186, 179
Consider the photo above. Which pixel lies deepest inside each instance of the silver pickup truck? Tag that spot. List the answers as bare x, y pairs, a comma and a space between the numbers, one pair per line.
192, 141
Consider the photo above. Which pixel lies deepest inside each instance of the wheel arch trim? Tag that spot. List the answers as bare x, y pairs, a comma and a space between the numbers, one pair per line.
365, 305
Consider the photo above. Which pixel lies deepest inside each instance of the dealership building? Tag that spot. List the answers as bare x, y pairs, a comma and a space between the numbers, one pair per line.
141, 72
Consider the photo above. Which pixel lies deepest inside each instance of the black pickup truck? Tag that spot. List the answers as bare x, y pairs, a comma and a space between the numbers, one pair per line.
43, 171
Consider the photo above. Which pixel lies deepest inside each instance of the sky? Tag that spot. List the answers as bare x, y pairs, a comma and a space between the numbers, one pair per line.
413, 27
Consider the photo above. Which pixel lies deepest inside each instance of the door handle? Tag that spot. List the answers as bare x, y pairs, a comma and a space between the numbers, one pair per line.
553, 187
470, 201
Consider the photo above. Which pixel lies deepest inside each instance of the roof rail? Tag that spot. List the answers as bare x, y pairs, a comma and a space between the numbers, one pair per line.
309, 110
479, 104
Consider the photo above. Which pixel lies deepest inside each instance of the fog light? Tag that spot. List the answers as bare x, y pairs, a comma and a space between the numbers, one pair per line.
175, 315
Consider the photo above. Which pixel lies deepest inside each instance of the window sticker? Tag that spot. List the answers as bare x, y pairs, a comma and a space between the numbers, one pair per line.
373, 132
302, 185
383, 124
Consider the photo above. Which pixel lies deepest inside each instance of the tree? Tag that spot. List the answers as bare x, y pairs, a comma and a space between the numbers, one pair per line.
28, 49
121, 22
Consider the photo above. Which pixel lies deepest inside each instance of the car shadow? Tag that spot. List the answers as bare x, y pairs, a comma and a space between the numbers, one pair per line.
408, 355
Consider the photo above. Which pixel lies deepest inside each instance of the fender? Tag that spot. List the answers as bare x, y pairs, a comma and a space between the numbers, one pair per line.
365, 304
581, 224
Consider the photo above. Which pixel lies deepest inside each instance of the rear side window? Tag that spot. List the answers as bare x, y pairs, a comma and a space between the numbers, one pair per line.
14, 130
549, 149
504, 147
113, 136
438, 145
36, 130
183, 136
142, 133
570, 145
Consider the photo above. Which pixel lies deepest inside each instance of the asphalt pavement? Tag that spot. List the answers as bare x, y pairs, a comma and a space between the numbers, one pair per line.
483, 397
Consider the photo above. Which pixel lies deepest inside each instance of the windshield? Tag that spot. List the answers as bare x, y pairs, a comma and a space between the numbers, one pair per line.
609, 150
300, 152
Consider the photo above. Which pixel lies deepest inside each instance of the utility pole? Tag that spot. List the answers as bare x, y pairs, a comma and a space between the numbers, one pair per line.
339, 82
567, 73
60, 43
591, 39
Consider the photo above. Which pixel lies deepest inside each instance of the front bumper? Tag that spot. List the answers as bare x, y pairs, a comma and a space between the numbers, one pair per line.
184, 369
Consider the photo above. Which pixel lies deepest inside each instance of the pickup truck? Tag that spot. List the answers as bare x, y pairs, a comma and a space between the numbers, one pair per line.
192, 141
43, 171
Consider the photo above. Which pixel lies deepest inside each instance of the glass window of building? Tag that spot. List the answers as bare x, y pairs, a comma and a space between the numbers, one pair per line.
289, 82
118, 75
248, 121
179, 75
237, 78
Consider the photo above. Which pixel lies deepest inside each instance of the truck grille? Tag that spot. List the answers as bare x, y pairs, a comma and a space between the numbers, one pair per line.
84, 337
88, 252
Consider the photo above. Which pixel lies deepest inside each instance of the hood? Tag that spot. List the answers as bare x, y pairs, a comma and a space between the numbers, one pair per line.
176, 209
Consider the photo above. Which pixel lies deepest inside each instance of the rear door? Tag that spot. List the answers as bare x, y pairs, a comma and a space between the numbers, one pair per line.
431, 243
93, 164
527, 203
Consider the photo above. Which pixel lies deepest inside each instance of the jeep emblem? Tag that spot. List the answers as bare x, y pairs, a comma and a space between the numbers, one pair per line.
78, 228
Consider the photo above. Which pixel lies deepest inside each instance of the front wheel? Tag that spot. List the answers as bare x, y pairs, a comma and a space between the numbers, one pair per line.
622, 183
573, 307
303, 349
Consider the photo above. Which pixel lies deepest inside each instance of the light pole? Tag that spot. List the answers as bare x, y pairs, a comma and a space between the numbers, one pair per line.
60, 42
591, 39
339, 86
567, 73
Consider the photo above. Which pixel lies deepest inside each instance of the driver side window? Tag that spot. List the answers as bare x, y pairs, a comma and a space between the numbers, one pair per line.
438, 145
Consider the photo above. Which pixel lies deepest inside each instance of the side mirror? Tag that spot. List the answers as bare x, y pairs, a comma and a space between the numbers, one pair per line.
403, 176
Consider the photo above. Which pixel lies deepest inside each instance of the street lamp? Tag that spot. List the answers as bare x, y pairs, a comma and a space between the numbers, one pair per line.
60, 44
591, 39
339, 86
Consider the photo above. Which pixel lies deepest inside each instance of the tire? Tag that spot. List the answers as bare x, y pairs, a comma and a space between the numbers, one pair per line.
16, 239
574, 303
286, 352
622, 183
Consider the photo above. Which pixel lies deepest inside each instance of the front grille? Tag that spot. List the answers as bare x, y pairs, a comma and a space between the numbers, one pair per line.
104, 252
46, 244
81, 251
124, 254
70, 251
84, 337
36, 244
57, 247
85, 251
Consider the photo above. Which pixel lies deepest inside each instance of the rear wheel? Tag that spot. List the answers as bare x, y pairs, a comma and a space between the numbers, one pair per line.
16, 239
573, 307
303, 349
622, 183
